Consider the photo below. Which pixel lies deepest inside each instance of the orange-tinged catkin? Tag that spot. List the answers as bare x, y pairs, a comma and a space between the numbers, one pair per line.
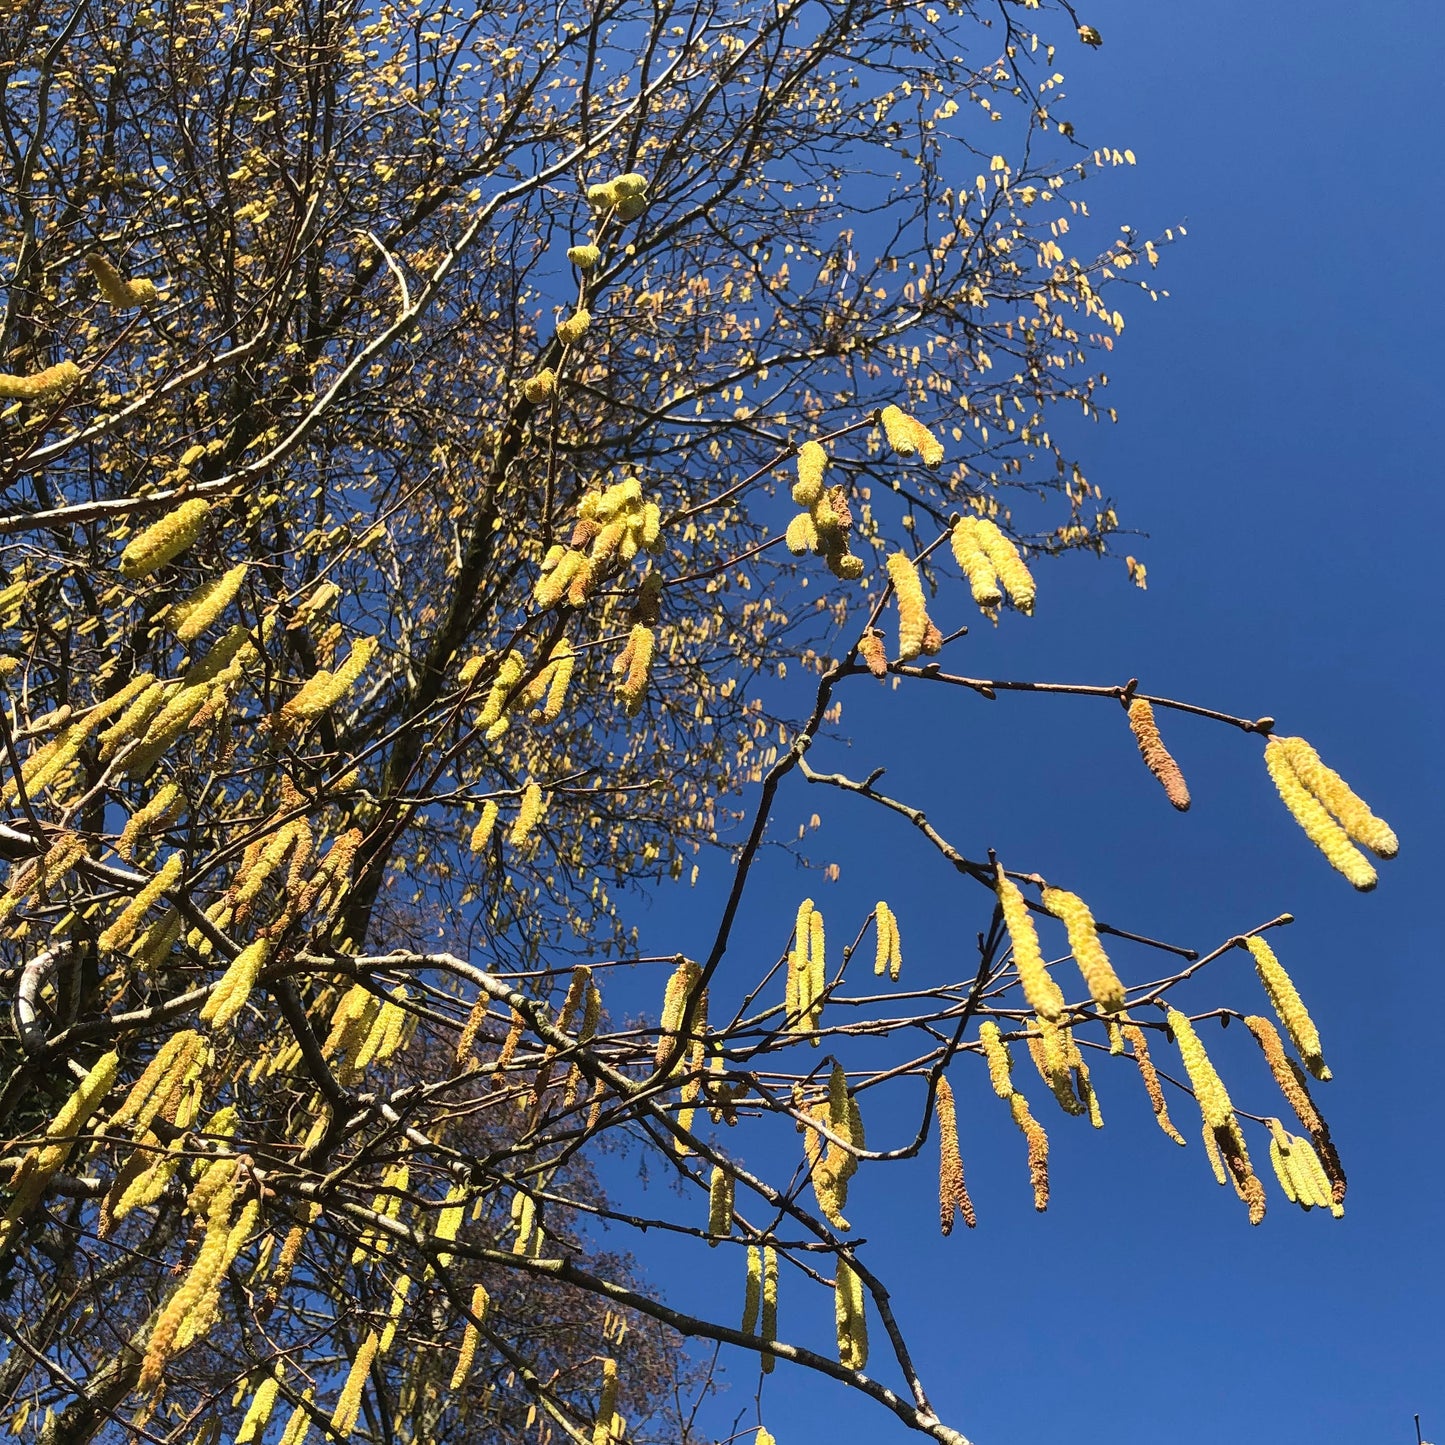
999, 1060
1099, 977
1289, 1007
1043, 994
53, 381
952, 1191
115, 288
912, 610
1038, 1142
1150, 1075
1336, 795
811, 461
160, 1080
1157, 757
1320, 828
164, 540
680, 985
873, 652
909, 437
1290, 1079
1209, 1091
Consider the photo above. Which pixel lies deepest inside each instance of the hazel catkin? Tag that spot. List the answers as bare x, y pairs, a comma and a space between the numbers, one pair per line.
1157, 757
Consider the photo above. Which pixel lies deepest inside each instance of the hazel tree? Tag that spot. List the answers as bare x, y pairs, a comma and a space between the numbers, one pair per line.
429, 431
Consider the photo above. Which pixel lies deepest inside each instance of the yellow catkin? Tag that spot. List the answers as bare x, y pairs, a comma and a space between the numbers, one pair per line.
575, 327
1289, 1007
229, 996
606, 1405
952, 1191
1050, 1050
263, 1401
164, 540
538, 387
323, 690
753, 1293
1007, 562
584, 258
161, 1078
529, 812
559, 677
974, 563
115, 288
481, 1302
1099, 976
719, 1205
190, 618
299, 1424
1043, 994
888, 953
1156, 756
125, 928
1209, 1091
163, 808
1038, 1143
680, 985
996, 1055
812, 459
764, 1436
768, 1328
634, 666
43, 385
348, 1403
830, 1188
482, 834
909, 437
1336, 795
801, 536
851, 1318
1290, 1079
1321, 829
912, 610
1150, 1075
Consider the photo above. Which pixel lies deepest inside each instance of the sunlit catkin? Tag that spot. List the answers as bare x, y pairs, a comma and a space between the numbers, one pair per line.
851, 1318
127, 925
164, 540
768, 1328
873, 653
909, 437
1290, 1079
1321, 829
974, 563
952, 1191
481, 1302
115, 288
998, 1058
1209, 1091
1157, 757
253, 1423
529, 812
753, 1293
230, 994
44, 385
1043, 994
1099, 976
575, 327
348, 1403
912, 610
1038, 1143
634, 665
680, 985
189, 618
888, 953
1336, 795
1289, 1007
584, 258
719, 1205
607, 1405
1150, 1075
812, 459
559, 677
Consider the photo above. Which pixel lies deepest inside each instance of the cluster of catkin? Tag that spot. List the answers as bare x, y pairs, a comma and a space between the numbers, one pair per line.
823, 526
1000, 1073
760, 1302
916, 630
624, 196
1333, 817
613, 526
513, 690
888, 953
832, 1161
1223, 1138
909, 437
992, 564
807, 977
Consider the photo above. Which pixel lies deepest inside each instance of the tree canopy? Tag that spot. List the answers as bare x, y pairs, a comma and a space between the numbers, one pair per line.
456, 460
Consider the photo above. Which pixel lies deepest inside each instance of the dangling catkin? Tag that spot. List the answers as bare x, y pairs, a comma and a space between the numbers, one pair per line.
680, 984
752, 1296
635, 665
253, 1425
115, 288
912, 610
40, 385
481, 1302
1321, 829
851, 1318
889, 953
952, 1192
1099, 976
873, 653
529, 811
719, 1205
190, 618
809, 486
998, 1058
165, 539
1290, 1079
1336, 795
909, 437
1038, 1142
769, 1325
1289, 1007
1156, 756
1209, 1091
1150, 1075
607, 1404
482, 833
348, 1404
1043, 994
973, 562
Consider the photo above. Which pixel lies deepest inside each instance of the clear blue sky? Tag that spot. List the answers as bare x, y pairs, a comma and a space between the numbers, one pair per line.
1275, 440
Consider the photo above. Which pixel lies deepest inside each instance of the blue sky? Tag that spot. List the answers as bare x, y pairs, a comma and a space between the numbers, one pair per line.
1273, 440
